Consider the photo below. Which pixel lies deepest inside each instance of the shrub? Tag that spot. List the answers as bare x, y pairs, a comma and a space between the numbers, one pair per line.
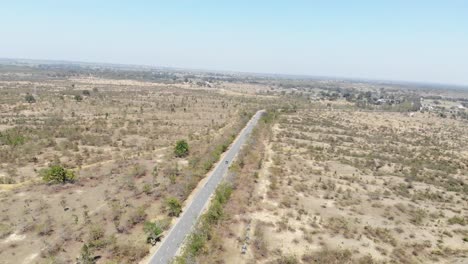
173, 206
12, 137
138, 171
417, 216
45, 228
138, 215
96, 237
147, 188
5, 230
260, 249
153, 231
30, 99
291, 259
126, 253
86, 255
457, 220
328, 256
215, 212
57, 174
7, 180
181, 148
196, 243
78, 98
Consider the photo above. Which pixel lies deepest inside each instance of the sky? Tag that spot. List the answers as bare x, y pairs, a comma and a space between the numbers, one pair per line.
422, 41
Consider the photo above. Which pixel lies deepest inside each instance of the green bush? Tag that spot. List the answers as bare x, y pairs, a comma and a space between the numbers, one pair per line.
181, 148
30, 99
97, 239
173, 206
196, 244
153, 231
147, 188
57, 174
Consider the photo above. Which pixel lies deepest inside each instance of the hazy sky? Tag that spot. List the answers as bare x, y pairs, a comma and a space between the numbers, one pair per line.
394, 40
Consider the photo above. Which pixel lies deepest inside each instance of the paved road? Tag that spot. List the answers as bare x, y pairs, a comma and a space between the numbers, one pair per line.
187, 220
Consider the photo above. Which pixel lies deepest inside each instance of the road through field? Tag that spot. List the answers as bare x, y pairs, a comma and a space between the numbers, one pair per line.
175, 237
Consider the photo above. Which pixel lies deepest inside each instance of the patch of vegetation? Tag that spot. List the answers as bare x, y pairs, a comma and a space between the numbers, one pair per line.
12, 137
137, 171
57, 174
128, 253
78, 98
86, 255
216, 152
181, 148
30, 98
96, 237
5, 230
203, 231
174, 206
457, 220
335, 256
154, 230
7, 180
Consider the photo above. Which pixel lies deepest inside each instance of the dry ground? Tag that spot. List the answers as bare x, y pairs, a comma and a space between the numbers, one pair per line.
338, 186
113, 139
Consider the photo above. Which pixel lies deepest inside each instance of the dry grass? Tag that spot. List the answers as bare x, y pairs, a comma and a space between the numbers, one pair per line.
358, 187
119, 140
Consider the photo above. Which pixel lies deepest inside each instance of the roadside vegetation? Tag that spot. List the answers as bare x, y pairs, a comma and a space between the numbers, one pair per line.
197, 241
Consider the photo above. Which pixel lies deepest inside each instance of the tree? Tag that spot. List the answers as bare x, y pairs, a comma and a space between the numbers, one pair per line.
173, 206
30, 98
181, 148
57, 174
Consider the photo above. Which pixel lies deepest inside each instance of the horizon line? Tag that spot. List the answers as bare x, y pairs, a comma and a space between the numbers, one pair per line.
265, 74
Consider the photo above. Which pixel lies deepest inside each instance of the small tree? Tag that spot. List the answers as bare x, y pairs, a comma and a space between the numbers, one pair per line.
181, 148
57, 174
30, 98
173, 206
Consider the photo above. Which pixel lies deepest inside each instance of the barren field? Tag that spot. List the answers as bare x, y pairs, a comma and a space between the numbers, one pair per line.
118, 138
96, 163
342, 186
